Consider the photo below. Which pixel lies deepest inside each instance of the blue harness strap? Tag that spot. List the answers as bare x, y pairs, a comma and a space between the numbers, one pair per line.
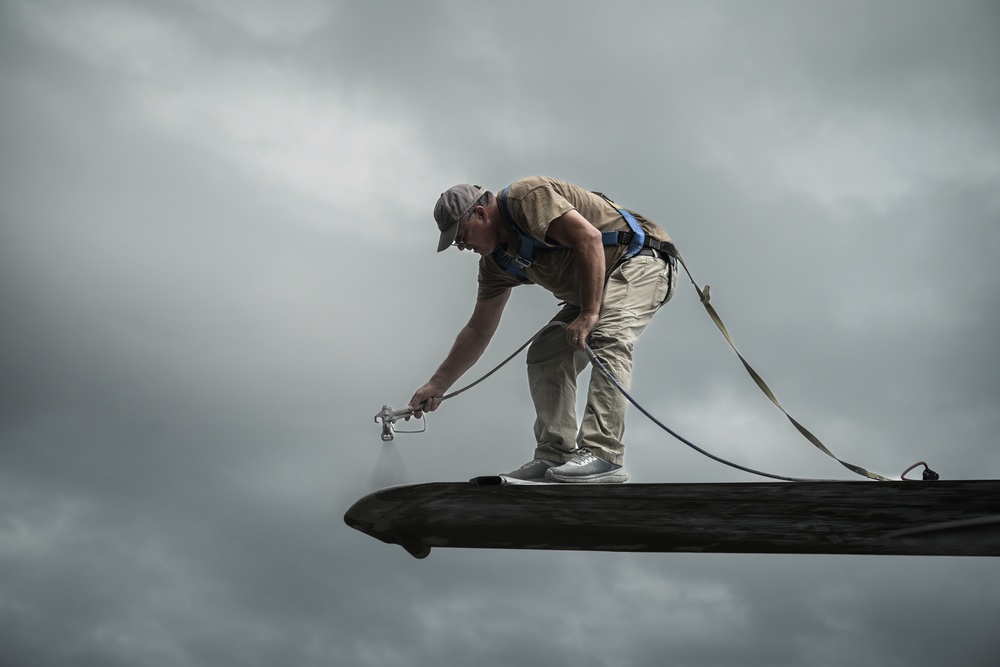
527, 246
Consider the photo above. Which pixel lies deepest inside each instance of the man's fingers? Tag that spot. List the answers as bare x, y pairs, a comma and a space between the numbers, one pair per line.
421, 406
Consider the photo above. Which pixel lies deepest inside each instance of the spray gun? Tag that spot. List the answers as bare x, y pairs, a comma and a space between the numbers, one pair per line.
389, 417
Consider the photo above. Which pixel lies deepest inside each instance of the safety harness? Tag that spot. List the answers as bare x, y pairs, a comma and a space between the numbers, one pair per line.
636, 240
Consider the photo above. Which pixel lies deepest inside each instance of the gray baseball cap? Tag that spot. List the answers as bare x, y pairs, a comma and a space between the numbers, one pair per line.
454, 203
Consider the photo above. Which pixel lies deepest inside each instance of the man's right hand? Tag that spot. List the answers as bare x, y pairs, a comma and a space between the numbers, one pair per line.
425, 399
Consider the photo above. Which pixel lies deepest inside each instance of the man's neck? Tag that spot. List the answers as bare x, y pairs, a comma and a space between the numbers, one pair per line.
499, 223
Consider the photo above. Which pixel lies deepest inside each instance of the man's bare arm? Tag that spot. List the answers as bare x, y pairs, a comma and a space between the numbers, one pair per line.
469, 345
574, 231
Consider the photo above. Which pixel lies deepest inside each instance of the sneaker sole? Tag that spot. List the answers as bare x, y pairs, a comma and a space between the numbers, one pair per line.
613, 477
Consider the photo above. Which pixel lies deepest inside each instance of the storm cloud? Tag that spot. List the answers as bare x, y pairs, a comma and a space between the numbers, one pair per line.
217, 263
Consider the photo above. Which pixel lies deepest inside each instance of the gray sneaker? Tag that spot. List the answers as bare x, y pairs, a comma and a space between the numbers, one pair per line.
532, 471
586, 468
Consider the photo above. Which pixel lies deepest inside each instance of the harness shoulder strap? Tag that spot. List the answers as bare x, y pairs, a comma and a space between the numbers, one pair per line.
526, 244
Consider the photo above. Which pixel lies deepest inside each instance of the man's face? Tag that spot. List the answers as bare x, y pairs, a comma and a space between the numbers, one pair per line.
474, 233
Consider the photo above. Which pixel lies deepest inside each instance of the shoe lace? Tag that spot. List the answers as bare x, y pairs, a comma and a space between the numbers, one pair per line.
584, 456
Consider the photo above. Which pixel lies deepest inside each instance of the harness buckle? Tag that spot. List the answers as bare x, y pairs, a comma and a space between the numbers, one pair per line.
523, 262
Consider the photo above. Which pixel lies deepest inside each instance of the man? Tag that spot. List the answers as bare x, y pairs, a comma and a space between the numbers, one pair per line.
548, 232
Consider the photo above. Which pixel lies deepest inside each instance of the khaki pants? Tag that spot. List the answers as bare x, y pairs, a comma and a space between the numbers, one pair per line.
635, 291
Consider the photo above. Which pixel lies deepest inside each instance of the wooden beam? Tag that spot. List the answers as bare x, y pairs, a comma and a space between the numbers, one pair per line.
941, 518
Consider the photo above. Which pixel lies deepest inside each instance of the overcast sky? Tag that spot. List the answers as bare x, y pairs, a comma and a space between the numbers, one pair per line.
217, 263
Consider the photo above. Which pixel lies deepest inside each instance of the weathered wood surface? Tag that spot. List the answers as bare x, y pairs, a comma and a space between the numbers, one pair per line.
942, 518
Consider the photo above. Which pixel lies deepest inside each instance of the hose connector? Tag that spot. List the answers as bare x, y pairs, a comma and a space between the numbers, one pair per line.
928, 475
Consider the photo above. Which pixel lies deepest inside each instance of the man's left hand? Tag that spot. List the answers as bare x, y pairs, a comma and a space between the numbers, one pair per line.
580, 328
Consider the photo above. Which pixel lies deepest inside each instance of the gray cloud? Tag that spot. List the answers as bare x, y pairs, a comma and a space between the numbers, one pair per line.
216, 264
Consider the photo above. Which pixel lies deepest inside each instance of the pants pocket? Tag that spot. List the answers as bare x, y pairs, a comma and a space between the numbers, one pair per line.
667, 284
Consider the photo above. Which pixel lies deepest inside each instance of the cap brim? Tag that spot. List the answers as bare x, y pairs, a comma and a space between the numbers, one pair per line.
447, 237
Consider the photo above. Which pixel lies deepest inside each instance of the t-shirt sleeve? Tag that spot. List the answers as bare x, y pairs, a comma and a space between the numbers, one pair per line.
539, 207
493, 280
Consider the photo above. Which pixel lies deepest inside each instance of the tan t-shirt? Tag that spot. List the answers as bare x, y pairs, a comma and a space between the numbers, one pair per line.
534, 203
